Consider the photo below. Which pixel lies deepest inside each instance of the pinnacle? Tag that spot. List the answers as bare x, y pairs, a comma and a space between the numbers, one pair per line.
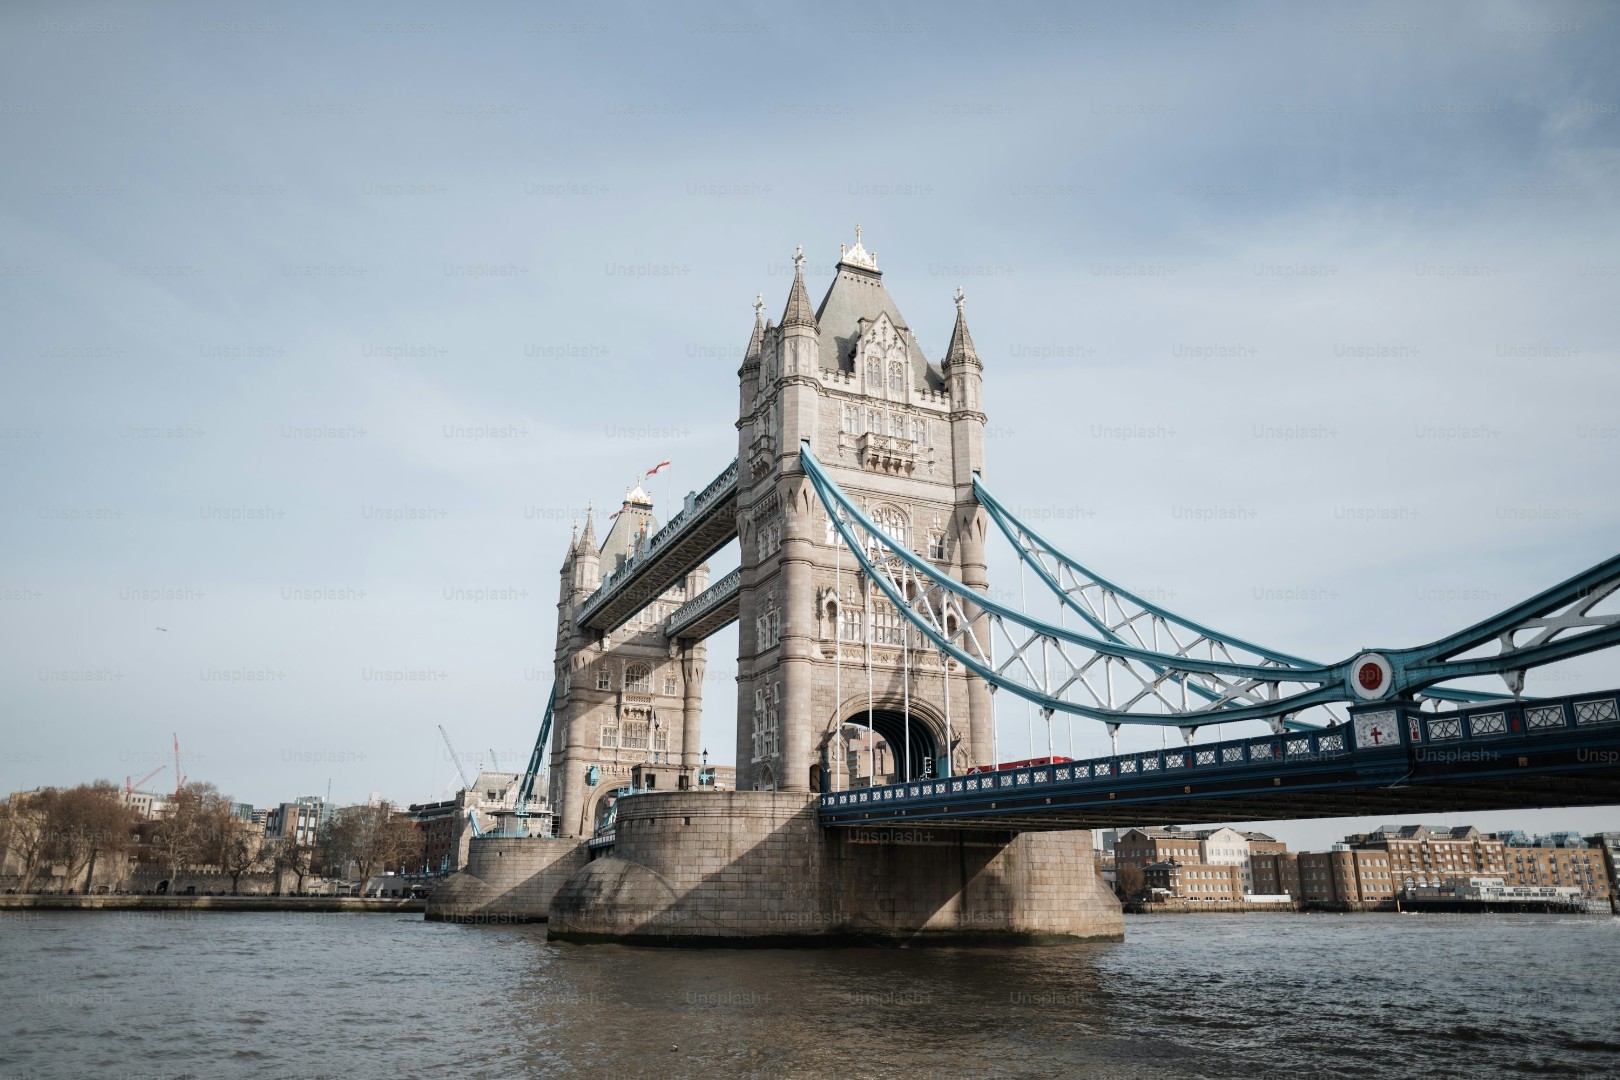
756, 343
798, 311
961, 347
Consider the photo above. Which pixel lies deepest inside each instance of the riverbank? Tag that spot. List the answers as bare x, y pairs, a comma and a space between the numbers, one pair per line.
308, 904
1339, 907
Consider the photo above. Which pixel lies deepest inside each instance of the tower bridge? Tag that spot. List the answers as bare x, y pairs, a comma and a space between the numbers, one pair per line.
870, 801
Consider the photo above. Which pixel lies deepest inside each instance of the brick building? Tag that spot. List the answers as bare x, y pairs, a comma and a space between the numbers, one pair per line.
1276, 873
1424, 856
1144, 846
1558, 859
1198, 882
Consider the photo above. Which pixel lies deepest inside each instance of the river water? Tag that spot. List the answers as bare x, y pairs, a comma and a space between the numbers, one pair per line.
134, 995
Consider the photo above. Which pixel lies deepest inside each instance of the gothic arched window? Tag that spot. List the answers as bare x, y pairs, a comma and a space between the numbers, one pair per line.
897, 376
638, 679
892, 522
874, 372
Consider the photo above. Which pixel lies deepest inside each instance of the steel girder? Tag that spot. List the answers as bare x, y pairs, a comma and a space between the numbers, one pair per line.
526, 789
1114, 681
1122, 616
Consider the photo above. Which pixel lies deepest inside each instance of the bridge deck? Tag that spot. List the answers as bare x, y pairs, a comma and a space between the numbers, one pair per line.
1493, 756
705, 525
713, 608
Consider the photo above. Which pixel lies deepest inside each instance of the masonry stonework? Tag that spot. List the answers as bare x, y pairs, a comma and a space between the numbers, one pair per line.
755, 868
831, 680
507, 879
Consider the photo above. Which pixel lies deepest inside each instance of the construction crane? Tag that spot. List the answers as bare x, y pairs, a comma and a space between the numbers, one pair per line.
455, 760
526, 788
472, 812
131, 785
179, 779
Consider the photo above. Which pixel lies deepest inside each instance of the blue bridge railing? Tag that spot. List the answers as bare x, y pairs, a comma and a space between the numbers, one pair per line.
1395, 730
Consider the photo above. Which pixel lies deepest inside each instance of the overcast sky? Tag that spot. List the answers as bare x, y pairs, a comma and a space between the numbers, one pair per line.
319, 322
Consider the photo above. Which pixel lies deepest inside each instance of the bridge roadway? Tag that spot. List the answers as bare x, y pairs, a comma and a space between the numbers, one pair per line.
707, 523
1501, 755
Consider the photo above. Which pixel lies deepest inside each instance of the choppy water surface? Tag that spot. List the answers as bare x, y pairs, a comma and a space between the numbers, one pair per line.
1256, 996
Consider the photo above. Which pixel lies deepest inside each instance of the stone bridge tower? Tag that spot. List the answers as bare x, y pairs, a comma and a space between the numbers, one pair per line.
821, 655
631, 697
903, 435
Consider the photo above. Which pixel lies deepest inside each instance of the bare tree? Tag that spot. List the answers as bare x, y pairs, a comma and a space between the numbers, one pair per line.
242, 850
87, 822
374, 838
25, 829
191, 833
1129, 882
293, 856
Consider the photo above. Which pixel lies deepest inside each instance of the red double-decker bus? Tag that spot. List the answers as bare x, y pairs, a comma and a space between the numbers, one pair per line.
1055, 760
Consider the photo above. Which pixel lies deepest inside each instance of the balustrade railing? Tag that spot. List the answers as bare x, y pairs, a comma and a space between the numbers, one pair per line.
1490, 721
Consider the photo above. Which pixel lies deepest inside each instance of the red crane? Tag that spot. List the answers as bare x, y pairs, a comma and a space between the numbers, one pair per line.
131, 785
179, 779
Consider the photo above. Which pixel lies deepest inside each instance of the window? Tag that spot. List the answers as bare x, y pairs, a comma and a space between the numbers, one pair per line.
672, 685
766, 710
768, 630
887, 625
852, 419
849, 624
833, 539
638, 679
660, 739
610, 737
874, 372
604, 678
892, 522
635, 735
919, 432
874, 422
769, 540
897, 426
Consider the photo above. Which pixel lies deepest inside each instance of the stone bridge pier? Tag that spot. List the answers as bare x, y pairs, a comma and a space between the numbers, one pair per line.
753, 868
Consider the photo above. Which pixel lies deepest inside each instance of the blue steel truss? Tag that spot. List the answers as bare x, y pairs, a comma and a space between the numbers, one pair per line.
526, 788
1123, 617
1109, 679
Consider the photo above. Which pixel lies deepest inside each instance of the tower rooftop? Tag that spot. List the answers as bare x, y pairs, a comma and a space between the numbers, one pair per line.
857, 293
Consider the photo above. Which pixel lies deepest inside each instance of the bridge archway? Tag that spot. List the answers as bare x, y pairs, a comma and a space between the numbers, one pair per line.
890, 728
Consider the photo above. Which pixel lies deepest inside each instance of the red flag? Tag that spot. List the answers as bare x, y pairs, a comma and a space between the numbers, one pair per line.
613, 515
654, 470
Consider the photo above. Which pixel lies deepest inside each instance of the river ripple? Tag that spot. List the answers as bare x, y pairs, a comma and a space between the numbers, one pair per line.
134, 995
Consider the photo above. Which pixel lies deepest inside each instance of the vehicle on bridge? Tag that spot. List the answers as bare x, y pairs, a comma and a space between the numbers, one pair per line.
1024, 764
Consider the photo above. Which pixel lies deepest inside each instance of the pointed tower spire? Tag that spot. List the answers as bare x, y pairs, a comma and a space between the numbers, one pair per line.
756, 343
587, 539
961, 347
798, 311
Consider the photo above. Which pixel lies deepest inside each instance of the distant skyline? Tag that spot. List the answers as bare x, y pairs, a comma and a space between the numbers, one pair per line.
324, 326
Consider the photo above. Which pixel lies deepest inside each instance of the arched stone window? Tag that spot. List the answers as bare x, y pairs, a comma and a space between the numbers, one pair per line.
891, 521
897, 376
874, 372
638, 679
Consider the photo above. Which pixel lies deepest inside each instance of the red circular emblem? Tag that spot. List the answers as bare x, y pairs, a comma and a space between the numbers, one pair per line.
1371, 676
